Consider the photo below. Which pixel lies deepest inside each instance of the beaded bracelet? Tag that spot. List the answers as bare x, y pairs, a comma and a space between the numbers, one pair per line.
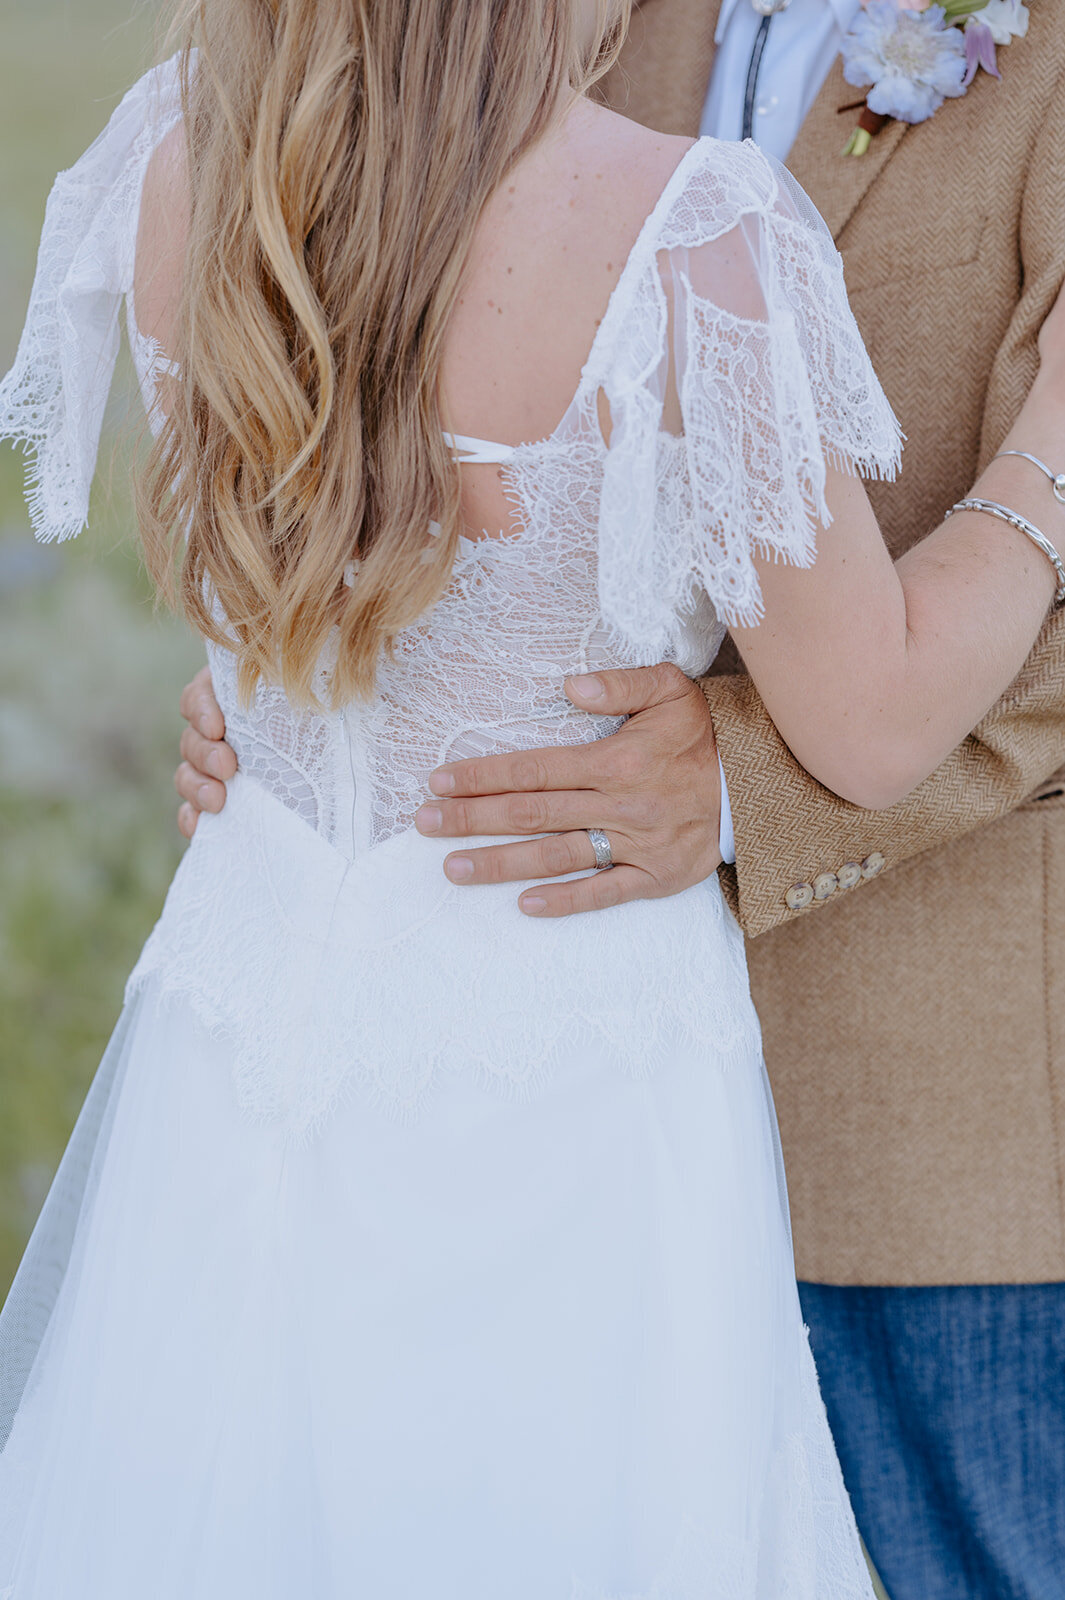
1022, 525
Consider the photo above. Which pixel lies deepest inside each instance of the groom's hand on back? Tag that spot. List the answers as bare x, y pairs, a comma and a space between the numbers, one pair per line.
653, 788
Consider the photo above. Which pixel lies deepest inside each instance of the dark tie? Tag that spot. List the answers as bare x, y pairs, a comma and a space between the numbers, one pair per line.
768, 10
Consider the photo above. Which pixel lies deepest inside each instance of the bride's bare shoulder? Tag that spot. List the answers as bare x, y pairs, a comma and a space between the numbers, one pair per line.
632, 162
162, 234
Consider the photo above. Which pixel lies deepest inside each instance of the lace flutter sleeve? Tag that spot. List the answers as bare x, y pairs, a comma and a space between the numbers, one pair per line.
739, 374
52, 401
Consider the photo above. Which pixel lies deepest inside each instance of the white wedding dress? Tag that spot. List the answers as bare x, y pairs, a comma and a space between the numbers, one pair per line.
408, 1248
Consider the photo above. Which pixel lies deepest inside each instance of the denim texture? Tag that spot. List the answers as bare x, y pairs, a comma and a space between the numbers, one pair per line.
948, 1410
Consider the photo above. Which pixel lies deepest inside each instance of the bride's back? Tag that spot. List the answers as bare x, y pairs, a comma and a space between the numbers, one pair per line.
653, 331
349, 168
548, 250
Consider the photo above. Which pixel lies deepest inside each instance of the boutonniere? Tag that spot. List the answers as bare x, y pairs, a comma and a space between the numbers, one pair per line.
916, 55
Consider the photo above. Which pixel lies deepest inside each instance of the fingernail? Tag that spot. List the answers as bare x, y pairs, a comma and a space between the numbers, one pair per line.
441, 782
203, 794
458, 868
588, 686
205, 725
533, 904
429, 819
214, 763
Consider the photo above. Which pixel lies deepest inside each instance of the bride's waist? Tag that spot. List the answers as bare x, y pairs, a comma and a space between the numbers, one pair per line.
382, 891
307, 956
257, 876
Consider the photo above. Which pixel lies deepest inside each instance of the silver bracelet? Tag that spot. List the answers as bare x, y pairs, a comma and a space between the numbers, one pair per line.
992, 509
1057, 479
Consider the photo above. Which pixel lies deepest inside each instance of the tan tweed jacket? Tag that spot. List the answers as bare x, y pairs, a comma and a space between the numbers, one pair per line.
915, 1023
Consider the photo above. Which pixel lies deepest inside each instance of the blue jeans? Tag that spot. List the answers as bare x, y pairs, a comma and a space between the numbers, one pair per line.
948, 1410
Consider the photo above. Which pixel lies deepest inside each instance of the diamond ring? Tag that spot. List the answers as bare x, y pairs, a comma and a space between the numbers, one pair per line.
601, 845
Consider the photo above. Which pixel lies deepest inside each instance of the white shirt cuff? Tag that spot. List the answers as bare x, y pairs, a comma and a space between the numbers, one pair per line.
726, 837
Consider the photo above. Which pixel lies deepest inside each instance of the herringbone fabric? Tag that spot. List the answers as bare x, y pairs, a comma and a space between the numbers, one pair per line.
915, 1024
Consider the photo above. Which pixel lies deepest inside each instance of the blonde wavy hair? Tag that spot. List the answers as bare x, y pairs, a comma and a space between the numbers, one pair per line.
339, 155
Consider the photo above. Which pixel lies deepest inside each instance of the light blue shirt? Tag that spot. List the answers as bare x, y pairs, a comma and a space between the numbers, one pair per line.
803, 43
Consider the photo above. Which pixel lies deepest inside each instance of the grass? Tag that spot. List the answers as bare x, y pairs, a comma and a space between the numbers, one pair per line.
89, 676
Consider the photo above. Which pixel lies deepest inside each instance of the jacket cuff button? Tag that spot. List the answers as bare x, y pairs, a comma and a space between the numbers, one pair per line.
799, 896
873, 865
849, 874
825, 885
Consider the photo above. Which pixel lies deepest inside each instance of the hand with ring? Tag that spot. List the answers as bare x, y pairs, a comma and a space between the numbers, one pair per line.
645, 802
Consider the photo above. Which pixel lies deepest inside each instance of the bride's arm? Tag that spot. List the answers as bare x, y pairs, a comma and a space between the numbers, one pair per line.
873, 672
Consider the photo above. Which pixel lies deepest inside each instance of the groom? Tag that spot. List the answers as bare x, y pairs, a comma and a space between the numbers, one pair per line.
909, 966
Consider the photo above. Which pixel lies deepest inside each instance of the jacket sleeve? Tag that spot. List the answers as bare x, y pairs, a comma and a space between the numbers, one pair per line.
799, 846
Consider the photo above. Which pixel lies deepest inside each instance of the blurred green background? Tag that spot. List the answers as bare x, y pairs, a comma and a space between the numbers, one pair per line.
89, 676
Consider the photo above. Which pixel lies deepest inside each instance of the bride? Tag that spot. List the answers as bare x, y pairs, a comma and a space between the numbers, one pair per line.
409, 1247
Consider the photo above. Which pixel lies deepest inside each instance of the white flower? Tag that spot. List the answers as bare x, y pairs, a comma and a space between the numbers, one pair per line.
912, 58
1007, 19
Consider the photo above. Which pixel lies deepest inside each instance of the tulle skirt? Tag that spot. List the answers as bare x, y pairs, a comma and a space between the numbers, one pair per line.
516, 1348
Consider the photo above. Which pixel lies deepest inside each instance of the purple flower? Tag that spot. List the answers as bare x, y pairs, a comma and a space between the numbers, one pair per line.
913, 59
979, 52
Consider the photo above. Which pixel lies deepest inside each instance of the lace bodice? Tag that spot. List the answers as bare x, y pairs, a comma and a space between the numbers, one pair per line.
731, 307
482, 672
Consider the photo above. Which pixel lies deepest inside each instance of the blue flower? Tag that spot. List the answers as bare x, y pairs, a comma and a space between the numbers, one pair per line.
913, 59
